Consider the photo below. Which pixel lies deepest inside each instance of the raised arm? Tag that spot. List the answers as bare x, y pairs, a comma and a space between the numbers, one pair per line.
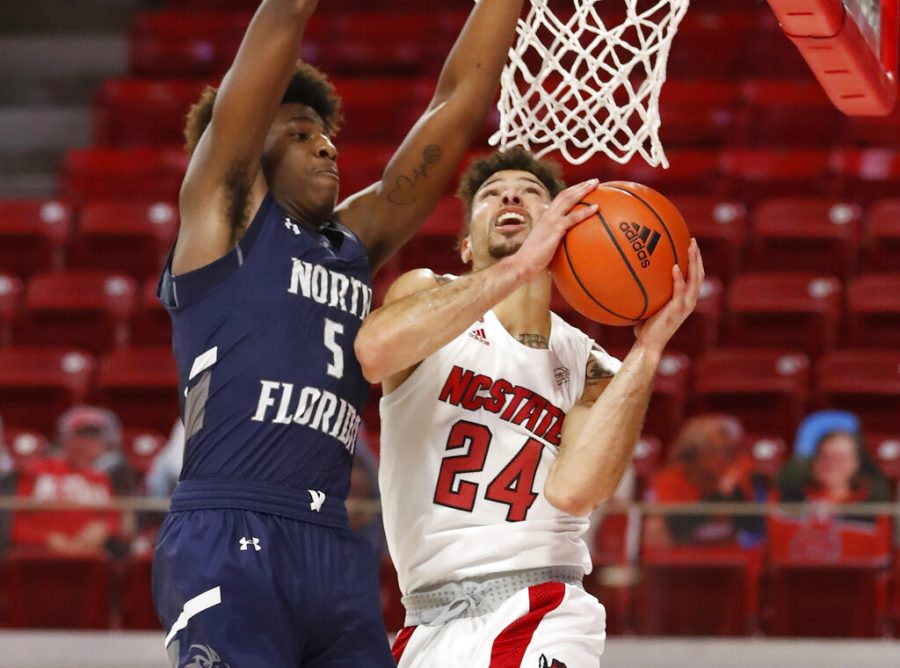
388, 213
223, 183
600, 431
423, 312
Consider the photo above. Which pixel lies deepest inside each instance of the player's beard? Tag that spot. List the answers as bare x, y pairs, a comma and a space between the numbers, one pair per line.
504, 247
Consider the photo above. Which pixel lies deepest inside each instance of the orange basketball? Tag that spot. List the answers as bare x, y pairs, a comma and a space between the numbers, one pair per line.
616, 266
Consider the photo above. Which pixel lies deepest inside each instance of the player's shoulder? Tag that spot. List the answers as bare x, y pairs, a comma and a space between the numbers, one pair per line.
414, 281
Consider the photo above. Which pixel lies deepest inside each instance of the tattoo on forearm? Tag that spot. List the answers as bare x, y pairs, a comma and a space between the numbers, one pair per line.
404, 193
534, 340
595, 373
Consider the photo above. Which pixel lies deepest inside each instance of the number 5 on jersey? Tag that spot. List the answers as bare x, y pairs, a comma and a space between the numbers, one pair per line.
513, 486
336, 366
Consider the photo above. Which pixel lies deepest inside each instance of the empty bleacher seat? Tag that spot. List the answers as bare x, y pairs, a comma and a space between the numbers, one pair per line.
866, 382
143, 112
700, 332
873, 311
786, 112
137, 594
762, 173
130, 236
52, 591
885, 450
803, 234
698, 113
109, 173
38, 384
768, 390
152, 325
779, 309
712, 44
874, 131
88, 309
33, 235
720, 227
881, 239
11, 290
141, 447
380, 109
690, 172
866, 175
141, 386
25, 445
768, 454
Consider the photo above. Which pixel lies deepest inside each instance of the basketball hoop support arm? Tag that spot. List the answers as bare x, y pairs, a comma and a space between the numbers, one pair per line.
858, 82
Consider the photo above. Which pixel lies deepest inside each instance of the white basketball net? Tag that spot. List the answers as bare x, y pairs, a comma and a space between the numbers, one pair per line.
590, 83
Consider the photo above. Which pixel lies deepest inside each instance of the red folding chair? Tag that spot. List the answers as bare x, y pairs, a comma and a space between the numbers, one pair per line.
11, 290
767, 389
130, 236
720, 227
109, 173
143, 112
873, 311
802, 234
152, 326
817, 567
881, 239
778, 309
865, 175
866, 382
757, 174
33, 235
38, 384
57, 592
88, 309
141, 386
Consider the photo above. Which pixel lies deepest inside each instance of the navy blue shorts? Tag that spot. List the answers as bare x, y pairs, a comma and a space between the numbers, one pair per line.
245, 589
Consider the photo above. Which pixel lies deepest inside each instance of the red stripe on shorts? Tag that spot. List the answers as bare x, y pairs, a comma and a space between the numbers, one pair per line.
401, 641
509, 647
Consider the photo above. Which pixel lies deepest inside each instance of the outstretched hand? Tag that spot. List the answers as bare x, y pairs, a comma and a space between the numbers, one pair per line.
561, 215
655, 332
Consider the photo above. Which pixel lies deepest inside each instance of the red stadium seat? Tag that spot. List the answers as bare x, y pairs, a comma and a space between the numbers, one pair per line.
790, 113
126, 236
720, 228
768, 454
647, 458
25, 445
142, 112
185, 44
770, 54
82, 308
779, 309
38, 384
874, 131
141, 447
378, 110
434, 245
800, 234
699, 591
868, 174
57, 592
361, 165
764, 173
768, 390
107, 173
33, 235
690, 172
152, 325
873, 311
141, 386
10, 305
820, 566
137, 594
881, 241
698, 113
700, 332
885, 450
711, 44
866, 382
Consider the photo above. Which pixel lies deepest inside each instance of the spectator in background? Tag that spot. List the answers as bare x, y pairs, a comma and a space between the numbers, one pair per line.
102, 425
7, 488
80, 474
166, 468
706, 465
838, 470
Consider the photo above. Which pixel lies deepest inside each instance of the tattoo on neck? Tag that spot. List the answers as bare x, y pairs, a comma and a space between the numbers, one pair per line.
534, 340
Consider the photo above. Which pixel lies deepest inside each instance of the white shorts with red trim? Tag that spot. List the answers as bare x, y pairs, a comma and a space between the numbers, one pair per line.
551, 625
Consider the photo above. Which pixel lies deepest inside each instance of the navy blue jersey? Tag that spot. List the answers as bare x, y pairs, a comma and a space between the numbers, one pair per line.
271, 390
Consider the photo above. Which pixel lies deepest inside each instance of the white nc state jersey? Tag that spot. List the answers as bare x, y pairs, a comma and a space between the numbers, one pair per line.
467, 442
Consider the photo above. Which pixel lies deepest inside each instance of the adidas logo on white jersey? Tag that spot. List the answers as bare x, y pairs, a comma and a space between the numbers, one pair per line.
480, 336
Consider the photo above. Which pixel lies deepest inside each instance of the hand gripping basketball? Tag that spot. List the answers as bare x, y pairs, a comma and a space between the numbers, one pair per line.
560, 216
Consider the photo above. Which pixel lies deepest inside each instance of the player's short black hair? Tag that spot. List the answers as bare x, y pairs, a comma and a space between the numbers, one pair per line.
308, 86
548, 172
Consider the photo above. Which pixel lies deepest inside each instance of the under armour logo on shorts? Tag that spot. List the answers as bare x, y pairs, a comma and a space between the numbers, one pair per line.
254, 541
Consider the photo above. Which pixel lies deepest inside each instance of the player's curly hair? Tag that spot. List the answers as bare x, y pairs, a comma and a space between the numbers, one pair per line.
518, 158
308, 86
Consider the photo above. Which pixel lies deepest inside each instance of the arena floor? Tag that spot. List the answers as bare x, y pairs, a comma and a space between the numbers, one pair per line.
144, 650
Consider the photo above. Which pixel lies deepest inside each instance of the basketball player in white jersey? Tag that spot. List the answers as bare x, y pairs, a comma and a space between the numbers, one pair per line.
486, 488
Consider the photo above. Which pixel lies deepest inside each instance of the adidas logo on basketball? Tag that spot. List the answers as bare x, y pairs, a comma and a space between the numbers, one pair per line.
480, 336
642, 239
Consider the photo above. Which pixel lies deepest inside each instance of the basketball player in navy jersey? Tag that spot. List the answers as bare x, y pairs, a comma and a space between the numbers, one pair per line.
267, 285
